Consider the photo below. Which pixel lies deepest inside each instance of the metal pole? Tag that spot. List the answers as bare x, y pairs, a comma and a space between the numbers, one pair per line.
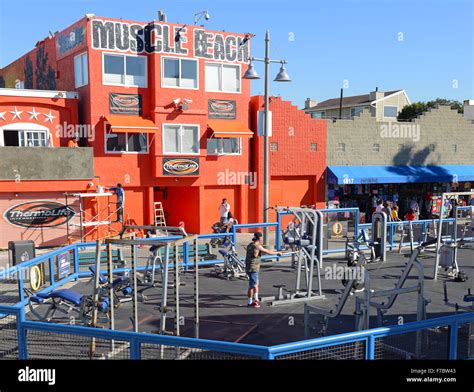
196, 288
135, 288
266, 185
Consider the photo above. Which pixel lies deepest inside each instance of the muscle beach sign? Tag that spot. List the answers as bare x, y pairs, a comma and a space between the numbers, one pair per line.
160, 38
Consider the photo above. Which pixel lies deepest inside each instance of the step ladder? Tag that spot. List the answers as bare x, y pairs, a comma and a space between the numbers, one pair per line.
159, 214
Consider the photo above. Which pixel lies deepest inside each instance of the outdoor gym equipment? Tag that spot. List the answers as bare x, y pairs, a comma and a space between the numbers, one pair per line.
364, 304
309, 255
163, 307
45, 305
446, 251
233, 267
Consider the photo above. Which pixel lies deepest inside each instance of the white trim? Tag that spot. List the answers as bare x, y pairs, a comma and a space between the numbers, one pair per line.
222, 64
180, 153
179, 58
126, 143
15, 92
123, 55
391, 95
26, 127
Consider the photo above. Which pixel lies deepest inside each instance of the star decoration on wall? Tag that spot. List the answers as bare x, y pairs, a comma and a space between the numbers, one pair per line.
16, 114
33, 114
2, 115
49, 117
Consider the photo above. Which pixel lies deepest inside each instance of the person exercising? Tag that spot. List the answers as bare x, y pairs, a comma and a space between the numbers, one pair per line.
252, 267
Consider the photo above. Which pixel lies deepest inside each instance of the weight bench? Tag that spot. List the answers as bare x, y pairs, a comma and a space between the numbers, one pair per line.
69, 299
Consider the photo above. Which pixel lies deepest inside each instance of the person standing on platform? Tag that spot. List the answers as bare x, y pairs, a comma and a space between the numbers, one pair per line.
120, 203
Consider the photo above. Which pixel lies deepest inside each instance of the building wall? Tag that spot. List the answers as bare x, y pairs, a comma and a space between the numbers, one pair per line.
441, 127
294, 162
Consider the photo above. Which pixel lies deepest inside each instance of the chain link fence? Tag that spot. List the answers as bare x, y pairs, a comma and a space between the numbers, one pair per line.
157, 351
51, 345
8, 337
353, 350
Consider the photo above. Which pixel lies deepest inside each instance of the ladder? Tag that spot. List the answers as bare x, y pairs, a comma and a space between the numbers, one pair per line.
159, 214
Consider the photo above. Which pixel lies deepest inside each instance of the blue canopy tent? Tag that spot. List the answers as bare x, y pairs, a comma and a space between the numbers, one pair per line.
347, 175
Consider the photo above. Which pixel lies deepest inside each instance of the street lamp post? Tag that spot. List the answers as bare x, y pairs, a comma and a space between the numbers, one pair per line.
281, 77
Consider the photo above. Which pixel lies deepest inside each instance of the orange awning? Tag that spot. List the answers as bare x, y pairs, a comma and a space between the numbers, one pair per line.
131, 124
227, 128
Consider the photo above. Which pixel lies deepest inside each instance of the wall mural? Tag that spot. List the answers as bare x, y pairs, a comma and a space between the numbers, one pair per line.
160, 38
28, 73
45, 74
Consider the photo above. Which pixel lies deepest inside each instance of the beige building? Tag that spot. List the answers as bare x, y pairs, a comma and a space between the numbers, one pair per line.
383, 106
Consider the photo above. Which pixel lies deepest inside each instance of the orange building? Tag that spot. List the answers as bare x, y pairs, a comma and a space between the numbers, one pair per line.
163, 109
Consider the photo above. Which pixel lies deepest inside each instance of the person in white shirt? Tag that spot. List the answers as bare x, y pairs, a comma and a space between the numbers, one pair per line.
224, 209
415, 207
379, 207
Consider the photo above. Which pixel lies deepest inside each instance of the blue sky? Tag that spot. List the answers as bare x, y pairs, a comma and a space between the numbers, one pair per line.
325, 42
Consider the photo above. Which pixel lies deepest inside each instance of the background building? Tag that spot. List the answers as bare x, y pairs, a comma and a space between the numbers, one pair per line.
381, 105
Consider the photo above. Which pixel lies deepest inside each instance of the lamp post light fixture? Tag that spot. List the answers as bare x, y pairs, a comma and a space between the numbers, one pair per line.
282, 76
203, 14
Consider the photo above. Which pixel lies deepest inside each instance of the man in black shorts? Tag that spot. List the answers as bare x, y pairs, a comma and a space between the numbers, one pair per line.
252, 267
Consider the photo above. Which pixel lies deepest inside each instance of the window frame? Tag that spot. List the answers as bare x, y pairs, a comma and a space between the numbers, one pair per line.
107, 133
311, 147
390, 106
221, 65
26, 127
180, 153
225, 153
124, 69
82, 55
376, 147
341, 147
179, 58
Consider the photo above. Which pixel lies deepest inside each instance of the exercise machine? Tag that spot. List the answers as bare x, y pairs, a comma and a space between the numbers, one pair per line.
366, 303
309, 258
233, 267
446, 251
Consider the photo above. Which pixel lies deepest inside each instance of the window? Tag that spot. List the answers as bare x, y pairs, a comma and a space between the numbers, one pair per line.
431, 148
356, 111
376, 147
222, 77
27, 138
455, 148
390, 111
24, 135
313, 147
180, 73
180, 139
318, 114
223, 146
273, 146
127, 142
125, 70
81, 76
341, 147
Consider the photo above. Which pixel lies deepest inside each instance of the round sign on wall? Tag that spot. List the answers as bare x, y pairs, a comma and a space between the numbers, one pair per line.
39, 213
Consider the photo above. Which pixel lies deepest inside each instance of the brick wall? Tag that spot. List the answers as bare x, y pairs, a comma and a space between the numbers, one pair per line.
442, 128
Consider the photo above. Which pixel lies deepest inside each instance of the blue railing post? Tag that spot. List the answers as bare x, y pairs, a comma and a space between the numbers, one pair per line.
370, 348
186, 255
135, 349
21, 334
356, 224
453, 340
234, 235
76, 259
278, 232
392, 234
